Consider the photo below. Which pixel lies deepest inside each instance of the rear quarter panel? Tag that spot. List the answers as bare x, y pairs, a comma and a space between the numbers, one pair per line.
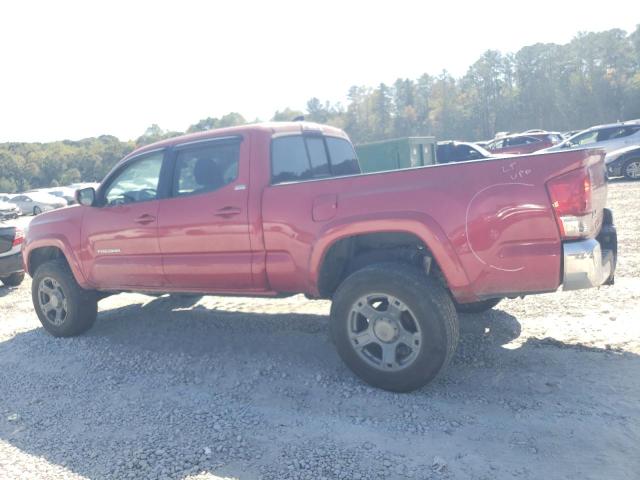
488, 223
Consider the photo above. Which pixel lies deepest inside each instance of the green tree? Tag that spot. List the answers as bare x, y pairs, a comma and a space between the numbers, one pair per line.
286, 115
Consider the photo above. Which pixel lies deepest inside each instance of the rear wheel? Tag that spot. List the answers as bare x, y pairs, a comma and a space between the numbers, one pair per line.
477, 307
631, 169
13, 280
63, 307
393, 326
37, 210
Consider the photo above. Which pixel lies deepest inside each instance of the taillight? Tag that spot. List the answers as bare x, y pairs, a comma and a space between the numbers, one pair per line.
572, 201
18, 237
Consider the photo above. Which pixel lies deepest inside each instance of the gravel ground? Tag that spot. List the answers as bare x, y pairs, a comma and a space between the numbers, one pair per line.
545, 387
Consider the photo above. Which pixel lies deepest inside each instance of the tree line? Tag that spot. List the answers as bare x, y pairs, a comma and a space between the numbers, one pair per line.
593, 79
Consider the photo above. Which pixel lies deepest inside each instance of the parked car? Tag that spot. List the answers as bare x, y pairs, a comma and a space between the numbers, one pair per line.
453, 151
608, 137
67, 194
37, 202
624, 162
520, 144
270, 210
8, 210
11, 240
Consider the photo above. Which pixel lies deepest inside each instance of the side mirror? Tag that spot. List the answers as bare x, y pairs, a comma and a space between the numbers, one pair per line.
86, 196
566, 145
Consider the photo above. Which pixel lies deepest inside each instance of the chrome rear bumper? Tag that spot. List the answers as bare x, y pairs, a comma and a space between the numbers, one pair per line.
591, 263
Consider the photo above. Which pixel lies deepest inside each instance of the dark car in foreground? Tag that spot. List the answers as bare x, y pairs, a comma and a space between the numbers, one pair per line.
11, 270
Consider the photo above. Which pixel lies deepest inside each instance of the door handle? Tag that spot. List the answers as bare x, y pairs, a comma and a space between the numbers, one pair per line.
145, 219
228, 212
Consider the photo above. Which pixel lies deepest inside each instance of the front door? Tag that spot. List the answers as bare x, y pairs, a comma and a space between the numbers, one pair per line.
203, 227
120, 235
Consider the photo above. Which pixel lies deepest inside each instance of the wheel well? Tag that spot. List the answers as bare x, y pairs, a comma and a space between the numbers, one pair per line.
353, 253
42, 255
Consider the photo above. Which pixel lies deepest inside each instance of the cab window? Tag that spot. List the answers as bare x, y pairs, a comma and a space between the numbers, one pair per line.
205, 168
300, 157
344, 160
137, 182
289, 160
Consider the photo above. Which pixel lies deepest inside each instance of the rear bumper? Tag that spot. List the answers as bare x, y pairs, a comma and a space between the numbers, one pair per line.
591, 263
10, 264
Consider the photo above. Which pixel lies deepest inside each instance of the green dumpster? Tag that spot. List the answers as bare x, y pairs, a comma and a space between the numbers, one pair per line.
397, 153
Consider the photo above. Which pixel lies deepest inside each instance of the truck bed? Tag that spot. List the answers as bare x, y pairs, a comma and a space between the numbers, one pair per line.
488, 223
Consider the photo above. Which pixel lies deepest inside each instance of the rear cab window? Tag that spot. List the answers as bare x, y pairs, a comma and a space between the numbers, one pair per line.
306, 157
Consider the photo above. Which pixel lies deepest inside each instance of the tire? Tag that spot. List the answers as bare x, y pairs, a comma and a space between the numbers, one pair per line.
631, 169
13, 280
78, 307
427, 316
36, 210
477, 307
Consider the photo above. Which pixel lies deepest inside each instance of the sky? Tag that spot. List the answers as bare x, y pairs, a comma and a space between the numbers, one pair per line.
72, 70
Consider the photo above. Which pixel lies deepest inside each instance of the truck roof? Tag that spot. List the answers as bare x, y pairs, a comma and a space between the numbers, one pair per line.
265, 127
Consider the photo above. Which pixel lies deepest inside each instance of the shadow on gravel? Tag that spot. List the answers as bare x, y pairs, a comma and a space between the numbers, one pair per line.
4, 290
169, 388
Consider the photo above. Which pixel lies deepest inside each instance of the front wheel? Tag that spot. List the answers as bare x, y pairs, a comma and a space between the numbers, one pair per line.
631, 169
13, 280
393, 326
63, 307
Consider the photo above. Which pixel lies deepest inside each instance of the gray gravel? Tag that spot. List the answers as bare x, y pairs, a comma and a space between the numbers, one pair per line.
546, 387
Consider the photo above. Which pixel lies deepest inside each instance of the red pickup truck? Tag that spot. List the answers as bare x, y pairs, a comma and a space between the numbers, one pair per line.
282, 208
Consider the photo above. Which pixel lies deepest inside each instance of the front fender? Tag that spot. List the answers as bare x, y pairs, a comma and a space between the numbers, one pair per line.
59, 229
419, 224
61, 243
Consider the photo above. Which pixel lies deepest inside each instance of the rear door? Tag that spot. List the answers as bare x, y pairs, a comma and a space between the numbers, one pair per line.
203, 226
121, 235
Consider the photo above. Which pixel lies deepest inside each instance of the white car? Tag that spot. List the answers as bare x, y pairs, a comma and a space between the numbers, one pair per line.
63, 193
608, 137
7, 209
37, 202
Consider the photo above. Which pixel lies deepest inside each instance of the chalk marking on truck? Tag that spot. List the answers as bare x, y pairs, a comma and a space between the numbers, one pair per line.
466, 226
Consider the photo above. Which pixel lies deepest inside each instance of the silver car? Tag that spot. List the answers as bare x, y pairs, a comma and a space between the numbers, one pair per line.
37, 202
608, 137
